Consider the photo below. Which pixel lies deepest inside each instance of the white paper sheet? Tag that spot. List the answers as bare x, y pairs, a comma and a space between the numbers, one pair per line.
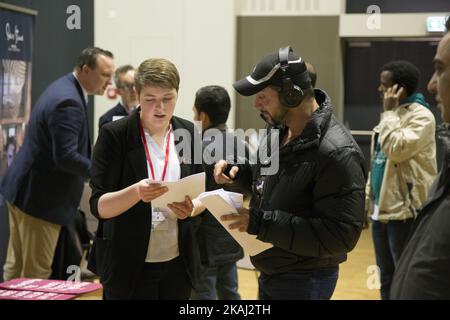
191, 186
219, 203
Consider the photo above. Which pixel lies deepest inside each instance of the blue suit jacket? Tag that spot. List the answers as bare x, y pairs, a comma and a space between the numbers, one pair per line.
117, 110
46, 178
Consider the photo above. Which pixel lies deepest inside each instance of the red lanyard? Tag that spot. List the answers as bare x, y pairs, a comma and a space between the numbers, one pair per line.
149, 159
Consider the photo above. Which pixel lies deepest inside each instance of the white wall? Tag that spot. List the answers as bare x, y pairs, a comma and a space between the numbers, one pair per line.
198, 36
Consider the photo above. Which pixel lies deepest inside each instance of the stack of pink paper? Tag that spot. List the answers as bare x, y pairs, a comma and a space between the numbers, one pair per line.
38, 289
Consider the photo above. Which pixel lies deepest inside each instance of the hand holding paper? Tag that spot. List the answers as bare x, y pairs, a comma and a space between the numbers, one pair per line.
190, 186
238, 221
182, 210
148, 191
222, 203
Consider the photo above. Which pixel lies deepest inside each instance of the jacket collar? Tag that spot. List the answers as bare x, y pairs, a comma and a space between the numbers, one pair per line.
315, 128
136, 153
221, 127
83, 93
442, 184
445, 138
134, 135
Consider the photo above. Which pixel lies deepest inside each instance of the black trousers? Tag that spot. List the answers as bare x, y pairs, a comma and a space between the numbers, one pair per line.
161, 281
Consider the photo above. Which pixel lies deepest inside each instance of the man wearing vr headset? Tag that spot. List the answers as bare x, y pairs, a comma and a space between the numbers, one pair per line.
312, 209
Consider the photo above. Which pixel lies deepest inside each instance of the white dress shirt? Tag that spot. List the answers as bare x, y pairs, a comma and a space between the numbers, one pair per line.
85, 93
163, 244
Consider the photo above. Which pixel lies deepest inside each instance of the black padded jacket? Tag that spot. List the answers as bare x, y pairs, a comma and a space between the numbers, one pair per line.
312, 208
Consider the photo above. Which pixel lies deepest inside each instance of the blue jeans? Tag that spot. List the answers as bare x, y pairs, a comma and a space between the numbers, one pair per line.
299, 285
219, 282
389, 239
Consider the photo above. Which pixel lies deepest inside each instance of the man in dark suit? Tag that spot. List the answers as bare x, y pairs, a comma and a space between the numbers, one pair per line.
44, 184
124, 80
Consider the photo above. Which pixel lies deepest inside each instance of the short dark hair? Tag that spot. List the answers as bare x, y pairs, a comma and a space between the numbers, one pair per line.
447, 24
405, 74
215, 102
89, 57
308, 93
120, 71
312, 74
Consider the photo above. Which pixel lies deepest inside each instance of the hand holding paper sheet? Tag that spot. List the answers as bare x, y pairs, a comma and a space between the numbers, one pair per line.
219, 203
191, 186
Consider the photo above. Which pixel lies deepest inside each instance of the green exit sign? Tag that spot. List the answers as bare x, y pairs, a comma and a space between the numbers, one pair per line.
436, 24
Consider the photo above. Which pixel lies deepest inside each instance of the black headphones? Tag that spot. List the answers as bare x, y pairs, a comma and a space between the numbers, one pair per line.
290, 95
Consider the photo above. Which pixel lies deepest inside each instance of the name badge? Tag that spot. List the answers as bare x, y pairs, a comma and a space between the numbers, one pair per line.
159, 220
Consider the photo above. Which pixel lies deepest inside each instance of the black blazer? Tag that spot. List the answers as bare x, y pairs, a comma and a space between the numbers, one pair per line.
121, 243
117, 110
46, 178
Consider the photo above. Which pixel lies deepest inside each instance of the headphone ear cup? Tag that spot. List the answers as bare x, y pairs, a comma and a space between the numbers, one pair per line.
291, 98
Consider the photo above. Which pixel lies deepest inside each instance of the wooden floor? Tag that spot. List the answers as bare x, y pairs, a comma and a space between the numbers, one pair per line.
352, 283
353, 275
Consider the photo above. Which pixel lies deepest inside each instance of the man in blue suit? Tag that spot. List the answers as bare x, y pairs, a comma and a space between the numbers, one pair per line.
43, 185
124, 80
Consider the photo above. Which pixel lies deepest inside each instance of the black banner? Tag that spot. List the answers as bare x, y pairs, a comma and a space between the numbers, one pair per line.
16, 51
16, 38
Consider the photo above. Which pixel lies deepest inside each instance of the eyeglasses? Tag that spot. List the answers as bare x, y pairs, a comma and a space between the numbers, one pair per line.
126, 87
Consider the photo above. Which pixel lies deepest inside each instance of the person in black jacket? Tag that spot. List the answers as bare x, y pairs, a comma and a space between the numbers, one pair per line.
219, 251
141, 252
422, 271
312, 208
